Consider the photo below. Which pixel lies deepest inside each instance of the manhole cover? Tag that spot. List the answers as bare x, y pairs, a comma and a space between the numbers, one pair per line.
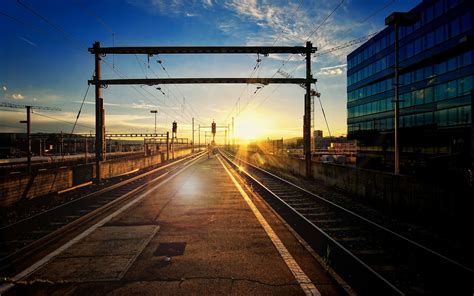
170, 249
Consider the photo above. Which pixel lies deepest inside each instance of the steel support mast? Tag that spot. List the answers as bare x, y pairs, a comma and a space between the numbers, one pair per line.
307, 112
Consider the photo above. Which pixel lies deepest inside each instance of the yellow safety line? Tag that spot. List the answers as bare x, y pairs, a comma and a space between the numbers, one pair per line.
303, 280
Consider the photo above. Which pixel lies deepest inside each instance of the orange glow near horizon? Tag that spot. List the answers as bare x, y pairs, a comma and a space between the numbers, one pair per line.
252, 126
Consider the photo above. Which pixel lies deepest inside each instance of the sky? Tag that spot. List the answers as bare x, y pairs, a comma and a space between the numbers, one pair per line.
44, 61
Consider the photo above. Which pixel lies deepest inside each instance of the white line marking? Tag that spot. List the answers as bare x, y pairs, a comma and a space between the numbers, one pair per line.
303, 280
31, 269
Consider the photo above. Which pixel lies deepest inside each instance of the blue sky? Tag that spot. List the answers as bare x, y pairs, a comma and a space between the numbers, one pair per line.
44, 61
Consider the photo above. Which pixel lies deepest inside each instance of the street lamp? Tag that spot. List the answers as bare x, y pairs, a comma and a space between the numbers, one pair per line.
397, 19
154, 111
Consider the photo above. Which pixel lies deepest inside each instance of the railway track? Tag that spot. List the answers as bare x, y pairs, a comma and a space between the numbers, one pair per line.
372, 259
20, 239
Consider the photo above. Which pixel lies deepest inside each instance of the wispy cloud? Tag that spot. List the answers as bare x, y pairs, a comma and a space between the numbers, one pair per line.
4, 88
18, 96
334, 70
28, 41
207, 3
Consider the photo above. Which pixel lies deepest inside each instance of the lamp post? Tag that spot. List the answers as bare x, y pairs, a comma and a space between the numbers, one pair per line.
396, 20
154, 111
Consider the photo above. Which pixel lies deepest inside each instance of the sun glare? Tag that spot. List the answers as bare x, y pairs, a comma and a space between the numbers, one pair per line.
251, 126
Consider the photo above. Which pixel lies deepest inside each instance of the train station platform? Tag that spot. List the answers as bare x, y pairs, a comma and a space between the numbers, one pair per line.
200, 232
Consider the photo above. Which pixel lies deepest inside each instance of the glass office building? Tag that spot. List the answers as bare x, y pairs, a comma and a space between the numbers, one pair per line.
436, 79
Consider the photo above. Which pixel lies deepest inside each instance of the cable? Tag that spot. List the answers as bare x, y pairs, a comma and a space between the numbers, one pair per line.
325, 19
80, 108
390, 2
61, 120
57, 28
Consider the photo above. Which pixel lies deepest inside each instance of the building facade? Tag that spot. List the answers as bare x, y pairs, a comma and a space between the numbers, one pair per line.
436, 62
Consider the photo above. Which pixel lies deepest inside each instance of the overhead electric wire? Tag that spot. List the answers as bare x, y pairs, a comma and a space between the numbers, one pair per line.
325, 19
139, 61
80, 108
50, 23
387, 4
61, 120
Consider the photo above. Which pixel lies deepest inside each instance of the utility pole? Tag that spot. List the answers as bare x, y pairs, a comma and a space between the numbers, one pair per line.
233, 133
199, 136
167, 146
85, 149
193, 136
398, 19
62, 144
28, 138
307, 112
472, 127
154, 111
98, 114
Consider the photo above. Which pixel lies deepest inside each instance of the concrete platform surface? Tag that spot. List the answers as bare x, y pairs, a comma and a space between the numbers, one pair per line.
196, 234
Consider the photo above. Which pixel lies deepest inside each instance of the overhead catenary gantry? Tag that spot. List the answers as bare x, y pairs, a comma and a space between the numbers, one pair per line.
155, 50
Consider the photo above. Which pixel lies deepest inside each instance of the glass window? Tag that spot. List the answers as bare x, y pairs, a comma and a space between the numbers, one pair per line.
441, 68
440, 92
451, 89
451, 64
418, 45
428, 71
390, 123
452, 3
428, 95
418, 119
419, 96
417, 25
453, 117
430, 39
442, 117
408, 50
419, 74
438, 8
455, 27
428, 118
429, 14
440, 35
466, 22
466, 58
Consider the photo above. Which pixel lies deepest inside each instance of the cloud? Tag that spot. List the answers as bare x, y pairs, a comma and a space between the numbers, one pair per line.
207, 3
247, 8
18, 96
191, 14
28, 41
4, 88
334, 70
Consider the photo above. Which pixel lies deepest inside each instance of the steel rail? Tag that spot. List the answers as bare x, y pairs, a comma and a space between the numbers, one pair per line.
7, 261
464, 273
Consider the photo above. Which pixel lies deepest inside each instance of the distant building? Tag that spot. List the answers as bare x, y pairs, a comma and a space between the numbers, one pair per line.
436, 78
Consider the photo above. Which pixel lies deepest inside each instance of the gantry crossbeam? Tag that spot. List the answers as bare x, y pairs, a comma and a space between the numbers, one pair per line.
151, 50
157, 81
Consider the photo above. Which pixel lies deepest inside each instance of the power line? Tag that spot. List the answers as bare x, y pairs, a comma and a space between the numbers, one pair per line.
80, 108
61, 120
46, 20
346, 44
390, 2
325, 19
